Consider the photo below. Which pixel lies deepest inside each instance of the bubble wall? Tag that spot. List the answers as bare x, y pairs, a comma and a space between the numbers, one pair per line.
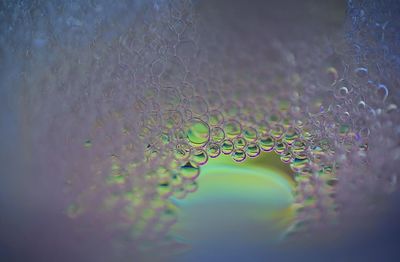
198, 130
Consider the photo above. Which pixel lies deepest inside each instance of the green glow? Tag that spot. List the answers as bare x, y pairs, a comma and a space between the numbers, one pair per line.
198, 132
248, 200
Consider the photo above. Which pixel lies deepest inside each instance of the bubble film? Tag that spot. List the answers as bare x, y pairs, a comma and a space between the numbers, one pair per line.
182, 130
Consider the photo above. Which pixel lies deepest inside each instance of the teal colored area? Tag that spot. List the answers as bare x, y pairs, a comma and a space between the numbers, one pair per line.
249, 201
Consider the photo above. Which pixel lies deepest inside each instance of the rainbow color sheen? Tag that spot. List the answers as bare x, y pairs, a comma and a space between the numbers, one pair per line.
251, 200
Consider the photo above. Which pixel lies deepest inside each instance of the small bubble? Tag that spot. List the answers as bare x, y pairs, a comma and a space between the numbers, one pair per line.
180, 193
280, 148
267, 143
198, 156
74, 210
186, 172
290, 136
232, 128
217, 134
253, 150
172, 119
227, 147
298, 164
239, 155
213, 150
182, 151
364, 132
232, 108
344, 130
361, 106
342, 92
382, 92
277, 132
250, 134
189, 171
315, 106
87, 144
239, 142
361, 72
215, 118
332, 75
164, 189
298, 147
286, 157
199, 106
391, 108
190, 186
197, 132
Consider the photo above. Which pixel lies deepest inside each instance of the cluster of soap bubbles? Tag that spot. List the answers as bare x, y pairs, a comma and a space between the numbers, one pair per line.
127, 116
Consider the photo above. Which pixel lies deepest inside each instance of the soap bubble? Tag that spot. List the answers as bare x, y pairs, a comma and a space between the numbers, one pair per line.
217, 134
239, 155
250, 134
198, 156
267, 143
382, 92
189, 171
213, 150
198, 132
286, 157
215, 118
232, 128
361, 72
280, 148
227, 146
239, 142
253, 150
277, 132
